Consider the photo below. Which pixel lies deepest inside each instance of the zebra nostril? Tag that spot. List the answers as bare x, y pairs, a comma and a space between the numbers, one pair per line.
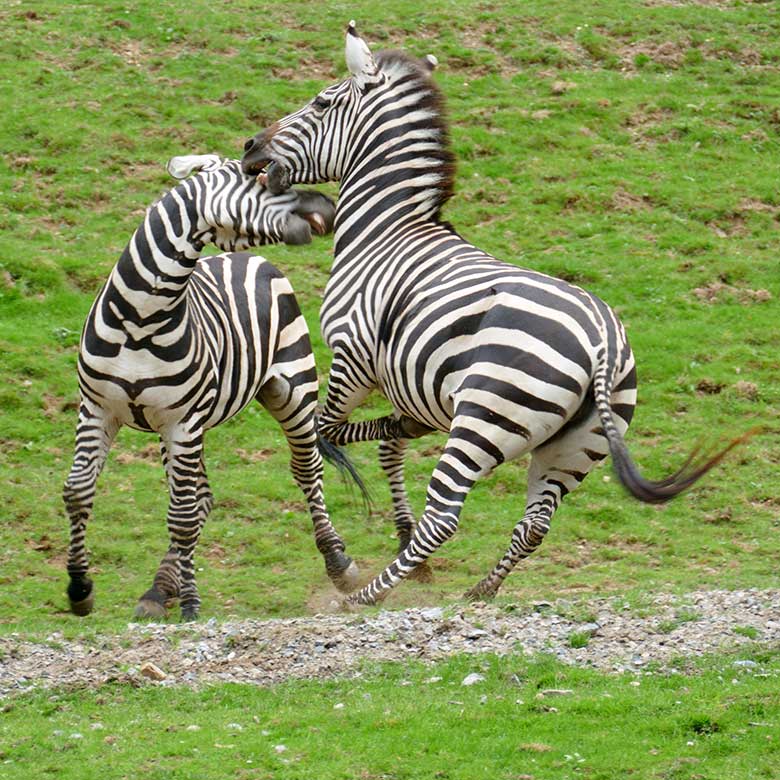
249, 144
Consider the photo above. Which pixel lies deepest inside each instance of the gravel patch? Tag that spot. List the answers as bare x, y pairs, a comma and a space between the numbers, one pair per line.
606, 634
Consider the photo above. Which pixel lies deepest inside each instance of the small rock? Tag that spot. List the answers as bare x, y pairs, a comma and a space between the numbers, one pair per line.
193, 727
338, 706
152, 671
234, 727
554, 692
473, 679
280, 748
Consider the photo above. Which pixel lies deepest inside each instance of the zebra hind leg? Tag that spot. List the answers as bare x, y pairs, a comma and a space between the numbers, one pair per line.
293, 405
459, 467
556, 469
94, 436
184, 449
166, 585
391, 457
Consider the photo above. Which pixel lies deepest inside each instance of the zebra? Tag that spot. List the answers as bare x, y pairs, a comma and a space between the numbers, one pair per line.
505, 360
176, 344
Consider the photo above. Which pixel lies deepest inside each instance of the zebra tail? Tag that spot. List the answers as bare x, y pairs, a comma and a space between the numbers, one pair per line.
696, 465
337, 457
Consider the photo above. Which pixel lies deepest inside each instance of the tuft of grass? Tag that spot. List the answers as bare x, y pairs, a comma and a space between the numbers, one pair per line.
748, 631
579, 639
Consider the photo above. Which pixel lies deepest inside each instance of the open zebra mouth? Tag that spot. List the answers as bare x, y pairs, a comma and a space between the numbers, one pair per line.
276, 177
254, 167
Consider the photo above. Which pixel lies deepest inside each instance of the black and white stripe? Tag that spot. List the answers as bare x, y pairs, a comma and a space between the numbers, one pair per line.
176, 344
506, 361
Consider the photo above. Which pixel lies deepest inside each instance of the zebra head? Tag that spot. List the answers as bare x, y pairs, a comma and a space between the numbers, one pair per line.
389, 107
236, 211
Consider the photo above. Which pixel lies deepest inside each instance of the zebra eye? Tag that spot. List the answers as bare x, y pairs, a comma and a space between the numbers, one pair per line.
320, 103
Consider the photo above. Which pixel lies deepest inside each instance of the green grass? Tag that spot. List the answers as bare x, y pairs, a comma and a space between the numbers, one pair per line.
629, 147
718, 723
633, 150
650, 178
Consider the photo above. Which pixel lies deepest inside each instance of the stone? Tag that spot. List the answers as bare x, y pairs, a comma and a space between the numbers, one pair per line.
152, 671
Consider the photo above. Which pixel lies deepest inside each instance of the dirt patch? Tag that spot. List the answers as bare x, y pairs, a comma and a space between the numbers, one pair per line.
148, 454
623, 200
720, 292
327, 646
667, 54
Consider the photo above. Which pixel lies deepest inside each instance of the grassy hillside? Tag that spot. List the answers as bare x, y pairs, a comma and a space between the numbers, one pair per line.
630, 147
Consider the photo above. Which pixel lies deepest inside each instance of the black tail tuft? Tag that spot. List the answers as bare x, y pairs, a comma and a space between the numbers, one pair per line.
337, 457
664, 490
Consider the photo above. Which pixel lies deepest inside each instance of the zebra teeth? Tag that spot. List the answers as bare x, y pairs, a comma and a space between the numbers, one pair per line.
318, 223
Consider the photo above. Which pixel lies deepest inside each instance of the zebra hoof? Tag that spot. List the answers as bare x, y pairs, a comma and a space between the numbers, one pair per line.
480, 592
422, 573
351, 607
81, 595
84, 607
147, 609
346, 581
189, 614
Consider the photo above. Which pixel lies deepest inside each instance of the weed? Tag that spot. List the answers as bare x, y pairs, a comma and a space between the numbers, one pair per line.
749, 631
579, 639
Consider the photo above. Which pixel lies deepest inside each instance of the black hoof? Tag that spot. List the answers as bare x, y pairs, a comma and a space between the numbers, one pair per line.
81, 596
480, 592
189, 614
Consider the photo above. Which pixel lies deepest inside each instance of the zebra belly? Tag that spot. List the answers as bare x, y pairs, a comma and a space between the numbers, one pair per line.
144, 392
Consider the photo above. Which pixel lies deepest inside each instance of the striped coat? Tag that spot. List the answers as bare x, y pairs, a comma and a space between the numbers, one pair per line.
506, 361
175, 344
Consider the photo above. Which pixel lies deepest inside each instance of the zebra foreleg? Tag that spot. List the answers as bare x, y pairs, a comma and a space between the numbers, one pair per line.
166, 585
94, 436
293, 405
380, 429
185, 518
391, 457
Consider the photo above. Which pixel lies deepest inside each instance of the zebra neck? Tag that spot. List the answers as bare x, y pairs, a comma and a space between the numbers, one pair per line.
152, 275
381, 204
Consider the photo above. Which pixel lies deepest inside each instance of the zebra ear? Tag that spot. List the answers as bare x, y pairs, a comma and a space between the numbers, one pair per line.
182, 166
360, 61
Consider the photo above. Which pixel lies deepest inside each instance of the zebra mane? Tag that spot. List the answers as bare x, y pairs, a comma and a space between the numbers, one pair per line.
399, 66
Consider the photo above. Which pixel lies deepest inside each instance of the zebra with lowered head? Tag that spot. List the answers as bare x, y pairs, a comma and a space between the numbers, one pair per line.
176, 344
504, 360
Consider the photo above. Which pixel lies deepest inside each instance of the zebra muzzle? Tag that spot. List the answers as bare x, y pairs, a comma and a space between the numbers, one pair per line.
277, 178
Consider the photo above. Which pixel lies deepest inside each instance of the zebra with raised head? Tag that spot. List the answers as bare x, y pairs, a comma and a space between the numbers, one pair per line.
504, 360
176, 344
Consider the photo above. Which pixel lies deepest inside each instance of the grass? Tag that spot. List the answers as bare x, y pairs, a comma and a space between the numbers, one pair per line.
629, 147
718, 723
